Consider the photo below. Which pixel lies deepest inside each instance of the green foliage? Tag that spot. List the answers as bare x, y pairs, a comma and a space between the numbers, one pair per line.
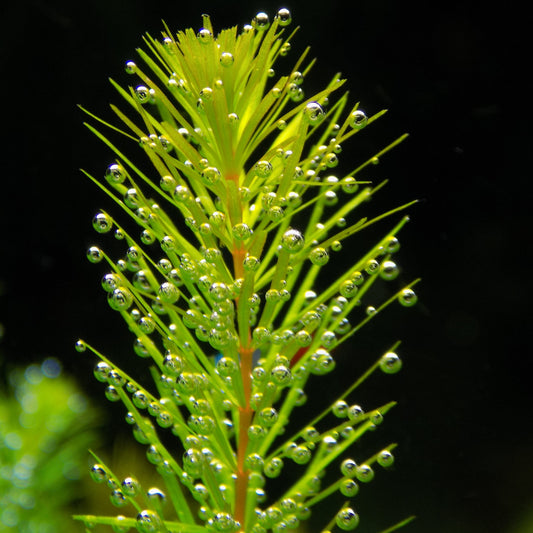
45, 429
245, 159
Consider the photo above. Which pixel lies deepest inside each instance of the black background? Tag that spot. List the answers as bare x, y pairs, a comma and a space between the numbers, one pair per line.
454, 77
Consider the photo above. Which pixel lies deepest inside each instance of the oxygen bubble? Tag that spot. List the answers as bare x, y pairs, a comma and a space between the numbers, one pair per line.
301, 455
385, 458
140, 349
142, 93
118, 499
148, 522
372, 267
281, 375
358, 278
110, 282
408, 297
130, 486
273, 467
348, 288
102, 222
347, 519
285, 49
211, 175
375, 160
140, 400
393, 245
328, 339
173, 365
263, 169
261, 22
281, 124
130, 67
256, 432
314, 113
94, 254
348, 467
219, 291
298, 79
120, 299
389, 270
349, 185
349, 488
323, 362
226, 59
331, 160
115, 174
340, 409
251, 263
205, 36
115, 379
284, 17
303, 338
390, 363
364, 473
101, 371
355, 412
80, 346
292, 241
156, 495
112, 394
146, 324
319, 256
131, 198
206, 94
168, 293
358, 119
268, 416
164, 419
227, 367
371, 310
241, 231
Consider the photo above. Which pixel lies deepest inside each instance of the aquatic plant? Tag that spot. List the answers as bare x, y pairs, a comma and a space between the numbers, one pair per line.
224, 288
46, 425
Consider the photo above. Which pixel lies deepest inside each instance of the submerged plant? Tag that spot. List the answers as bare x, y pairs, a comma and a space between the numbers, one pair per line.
46, 425
232, 308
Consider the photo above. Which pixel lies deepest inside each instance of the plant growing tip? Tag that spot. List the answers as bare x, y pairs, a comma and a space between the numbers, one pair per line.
238, 213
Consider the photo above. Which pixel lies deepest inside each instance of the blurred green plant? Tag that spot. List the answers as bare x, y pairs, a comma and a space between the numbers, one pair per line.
46, 426
232, 309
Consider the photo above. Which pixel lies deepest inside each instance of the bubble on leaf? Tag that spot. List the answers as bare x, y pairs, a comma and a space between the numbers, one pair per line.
314, 113
385, 458
115, 174
358, 119
355, 412
205, 36
226, 59
284, 16
130, 67
102, 222
261, 21
292, 241
390, 363
347, 519
98, 473
120, 299
148, 522
349, 488
241, 231
364, 473
168, 293
142, 93
389, 270
408, 297
94, 254
263, 169
319, 256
